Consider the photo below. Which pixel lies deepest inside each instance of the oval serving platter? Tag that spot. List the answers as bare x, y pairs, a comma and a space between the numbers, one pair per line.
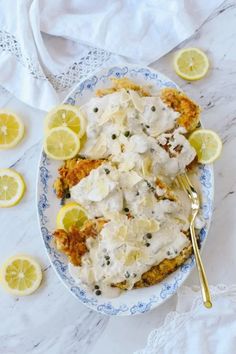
135, 301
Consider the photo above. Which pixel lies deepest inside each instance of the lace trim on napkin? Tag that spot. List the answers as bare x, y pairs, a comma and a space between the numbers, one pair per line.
80, 69
94, 58
174, 320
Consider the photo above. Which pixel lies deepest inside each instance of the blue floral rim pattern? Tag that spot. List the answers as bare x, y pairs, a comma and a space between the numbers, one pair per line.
45, 203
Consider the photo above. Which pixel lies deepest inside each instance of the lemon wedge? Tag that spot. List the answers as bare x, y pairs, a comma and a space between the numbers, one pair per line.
207, 144
11, 129
61, 143
20, 275
66, 116
71, 214
12, 187
191, 64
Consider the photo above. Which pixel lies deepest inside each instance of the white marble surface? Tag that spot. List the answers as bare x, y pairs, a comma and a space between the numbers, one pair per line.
52, 321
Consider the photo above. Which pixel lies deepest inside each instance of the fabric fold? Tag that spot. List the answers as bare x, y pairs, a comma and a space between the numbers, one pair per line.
194, 329
149, 29
47, 46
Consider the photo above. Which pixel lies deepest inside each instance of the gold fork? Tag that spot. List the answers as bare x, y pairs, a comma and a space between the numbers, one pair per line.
195, 205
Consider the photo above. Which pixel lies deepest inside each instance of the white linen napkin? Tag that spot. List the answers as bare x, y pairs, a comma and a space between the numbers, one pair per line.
140, 30
47, 46
195, 329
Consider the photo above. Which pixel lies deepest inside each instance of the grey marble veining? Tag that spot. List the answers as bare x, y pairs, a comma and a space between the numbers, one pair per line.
52, 321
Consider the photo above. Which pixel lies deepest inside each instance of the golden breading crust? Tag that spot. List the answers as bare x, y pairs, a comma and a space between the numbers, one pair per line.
124, 83
73, 243
179, 102
159, 272
72, 172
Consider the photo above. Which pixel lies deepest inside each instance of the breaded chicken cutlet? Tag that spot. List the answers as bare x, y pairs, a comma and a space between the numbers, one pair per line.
175, 99
72, 172
73, 244
189, 111
160, 271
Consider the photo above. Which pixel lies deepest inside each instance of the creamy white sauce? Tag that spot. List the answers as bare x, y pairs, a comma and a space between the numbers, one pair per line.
100, 191
157, 116
130, 131
117, 113
117, 116
126, 248
166, 161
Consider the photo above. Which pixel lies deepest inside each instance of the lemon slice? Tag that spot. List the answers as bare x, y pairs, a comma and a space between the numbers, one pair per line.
207, 144
21, 275
83, 141
61, 143
11, 129
191, 64
66, 116
12, 187
71, 214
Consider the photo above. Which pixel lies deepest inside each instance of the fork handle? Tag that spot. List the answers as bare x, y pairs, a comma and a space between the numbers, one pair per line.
202, 275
